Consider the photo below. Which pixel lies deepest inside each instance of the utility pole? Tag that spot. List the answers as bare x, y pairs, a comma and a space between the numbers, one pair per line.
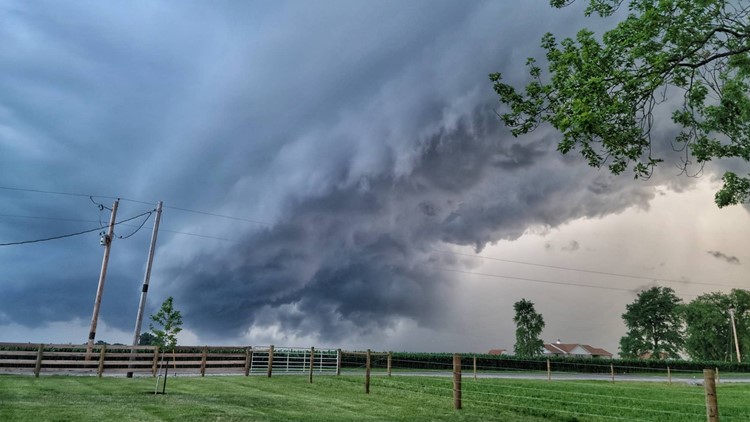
734, 332
107, 243
146, 278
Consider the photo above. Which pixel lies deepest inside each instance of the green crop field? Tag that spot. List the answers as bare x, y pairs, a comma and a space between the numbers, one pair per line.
342, 398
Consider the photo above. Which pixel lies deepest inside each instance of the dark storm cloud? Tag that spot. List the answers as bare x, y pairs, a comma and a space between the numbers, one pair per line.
364, 254
363, 133
724, 257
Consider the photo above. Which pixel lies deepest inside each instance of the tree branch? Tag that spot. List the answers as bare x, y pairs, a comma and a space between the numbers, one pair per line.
714, 57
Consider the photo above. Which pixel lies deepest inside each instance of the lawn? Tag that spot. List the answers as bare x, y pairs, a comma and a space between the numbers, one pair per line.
331, 398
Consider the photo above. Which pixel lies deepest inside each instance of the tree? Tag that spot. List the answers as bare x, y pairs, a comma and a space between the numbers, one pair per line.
690, 58
147, 339
654, 325
166, 324
708, 334
529, 325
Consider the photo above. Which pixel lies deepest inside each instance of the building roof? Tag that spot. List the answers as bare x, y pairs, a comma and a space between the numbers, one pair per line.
597, 351
497, 351
569, 348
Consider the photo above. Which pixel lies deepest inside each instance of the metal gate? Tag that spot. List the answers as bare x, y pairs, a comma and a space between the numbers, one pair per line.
293, 360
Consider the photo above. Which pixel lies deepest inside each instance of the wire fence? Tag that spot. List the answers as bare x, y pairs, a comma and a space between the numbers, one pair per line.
582, 400
652, 394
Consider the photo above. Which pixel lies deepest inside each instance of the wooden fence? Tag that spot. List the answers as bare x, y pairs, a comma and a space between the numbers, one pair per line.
146, 360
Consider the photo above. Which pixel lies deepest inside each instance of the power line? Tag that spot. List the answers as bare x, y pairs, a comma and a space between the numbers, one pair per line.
51, 238
128, 225
683, 282
71, 234
593, 286
582, 270
139, 227
48, 218
220, 215
534, 280
198, 235
50, 192
101, 206
90, 196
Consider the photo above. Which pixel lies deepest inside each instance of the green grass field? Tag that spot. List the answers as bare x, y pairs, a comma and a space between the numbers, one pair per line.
331, 398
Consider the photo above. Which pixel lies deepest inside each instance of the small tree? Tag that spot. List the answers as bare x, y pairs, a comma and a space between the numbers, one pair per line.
166, 324
529, 325
654, 325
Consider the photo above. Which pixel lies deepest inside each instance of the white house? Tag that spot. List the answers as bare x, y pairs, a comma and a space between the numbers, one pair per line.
574, 349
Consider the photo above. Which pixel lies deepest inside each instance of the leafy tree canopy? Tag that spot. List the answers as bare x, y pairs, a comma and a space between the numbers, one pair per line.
529, 325
654, 325
708, 330
692, 57
166, 324
147, 339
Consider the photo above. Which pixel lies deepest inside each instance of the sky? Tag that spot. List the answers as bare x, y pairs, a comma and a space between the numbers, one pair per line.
333, 173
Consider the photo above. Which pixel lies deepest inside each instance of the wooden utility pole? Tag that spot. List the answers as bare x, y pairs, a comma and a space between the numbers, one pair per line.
146, 278
712, 405
107, 243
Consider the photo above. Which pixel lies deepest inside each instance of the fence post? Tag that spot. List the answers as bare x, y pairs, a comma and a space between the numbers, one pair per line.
270, 361
38, 366
457, 381
549, 370
717, 375
669, 375
156, 362
312, 362
390, 362
248, 357
338, 362
367, 373
204, 355
612, 370
712, 406
100, 370
475, 368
